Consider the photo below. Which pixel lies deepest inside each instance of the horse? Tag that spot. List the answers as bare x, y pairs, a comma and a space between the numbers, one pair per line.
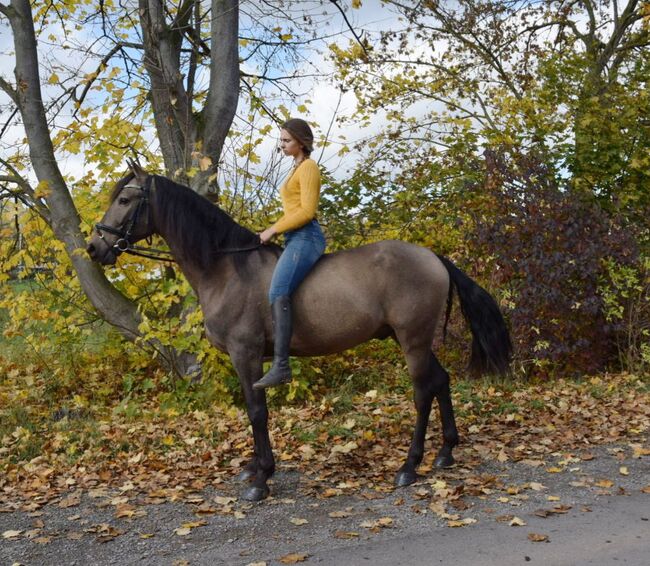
384, 289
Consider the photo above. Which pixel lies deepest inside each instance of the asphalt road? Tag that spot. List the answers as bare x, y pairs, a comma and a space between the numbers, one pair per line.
603, 520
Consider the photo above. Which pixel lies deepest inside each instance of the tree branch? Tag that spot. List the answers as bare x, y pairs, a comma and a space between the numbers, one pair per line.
354, 33
102, 65
26, 189
223, 96
4, 85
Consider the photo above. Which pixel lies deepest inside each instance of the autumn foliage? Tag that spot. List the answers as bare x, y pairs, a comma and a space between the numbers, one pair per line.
523, 158
549, 247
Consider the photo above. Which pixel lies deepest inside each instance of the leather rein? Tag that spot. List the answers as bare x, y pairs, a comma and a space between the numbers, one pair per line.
123, 243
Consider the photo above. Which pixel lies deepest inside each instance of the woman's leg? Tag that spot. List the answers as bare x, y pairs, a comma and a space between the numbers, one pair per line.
300, 255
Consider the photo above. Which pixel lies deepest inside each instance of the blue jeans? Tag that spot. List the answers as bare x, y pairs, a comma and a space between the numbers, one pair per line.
303, 248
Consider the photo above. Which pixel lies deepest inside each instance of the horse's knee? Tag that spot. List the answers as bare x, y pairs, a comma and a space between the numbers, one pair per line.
258, 416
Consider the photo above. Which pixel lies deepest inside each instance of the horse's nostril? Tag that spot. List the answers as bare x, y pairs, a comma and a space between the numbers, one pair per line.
91, 250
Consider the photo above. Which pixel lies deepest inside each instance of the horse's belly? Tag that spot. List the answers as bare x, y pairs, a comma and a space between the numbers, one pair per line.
320, 329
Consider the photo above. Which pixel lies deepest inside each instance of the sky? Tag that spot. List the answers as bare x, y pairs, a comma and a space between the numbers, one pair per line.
324, 96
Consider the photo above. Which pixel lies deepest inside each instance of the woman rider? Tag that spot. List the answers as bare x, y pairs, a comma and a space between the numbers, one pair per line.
304, 241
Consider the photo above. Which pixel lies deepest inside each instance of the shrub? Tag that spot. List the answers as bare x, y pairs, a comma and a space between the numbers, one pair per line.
549, 247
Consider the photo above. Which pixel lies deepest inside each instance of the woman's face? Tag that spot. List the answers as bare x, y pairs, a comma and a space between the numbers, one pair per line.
289, 145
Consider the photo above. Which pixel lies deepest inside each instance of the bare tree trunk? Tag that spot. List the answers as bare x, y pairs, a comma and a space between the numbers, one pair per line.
186, 137
172, 107
221, 105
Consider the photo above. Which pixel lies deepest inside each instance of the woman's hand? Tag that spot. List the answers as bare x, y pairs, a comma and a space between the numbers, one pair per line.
267, 235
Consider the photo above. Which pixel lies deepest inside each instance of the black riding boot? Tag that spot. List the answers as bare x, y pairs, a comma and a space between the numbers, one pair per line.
280, 372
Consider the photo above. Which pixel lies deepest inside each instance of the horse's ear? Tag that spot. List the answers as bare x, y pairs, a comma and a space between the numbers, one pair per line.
139, 172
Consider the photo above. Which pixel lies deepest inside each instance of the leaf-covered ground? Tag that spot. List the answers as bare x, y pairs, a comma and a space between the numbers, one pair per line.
160, 487
340, 445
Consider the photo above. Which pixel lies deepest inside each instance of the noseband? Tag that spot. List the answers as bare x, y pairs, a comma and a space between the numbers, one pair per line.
123, 243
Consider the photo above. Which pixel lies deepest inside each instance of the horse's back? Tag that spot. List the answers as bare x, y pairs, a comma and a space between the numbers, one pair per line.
370, 291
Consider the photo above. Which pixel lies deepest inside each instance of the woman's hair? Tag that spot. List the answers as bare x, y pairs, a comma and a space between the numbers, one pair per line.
300, 131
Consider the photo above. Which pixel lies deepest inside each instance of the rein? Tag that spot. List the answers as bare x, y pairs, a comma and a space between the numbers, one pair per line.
123, 244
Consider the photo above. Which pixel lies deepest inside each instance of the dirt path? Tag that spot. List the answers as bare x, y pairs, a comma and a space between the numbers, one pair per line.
587, 511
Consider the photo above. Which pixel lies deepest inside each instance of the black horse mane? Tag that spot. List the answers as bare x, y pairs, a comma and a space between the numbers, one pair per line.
201, 231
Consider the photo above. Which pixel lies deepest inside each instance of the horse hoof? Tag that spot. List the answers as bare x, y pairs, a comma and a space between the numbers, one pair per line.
254, 493
444, 461
246, 475
405, 478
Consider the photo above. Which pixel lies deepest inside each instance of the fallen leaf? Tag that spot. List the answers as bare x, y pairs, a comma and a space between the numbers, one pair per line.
462, 522
331, 492
70, 501
537, 537
183, 531
221, 500
108, 533
624, 471
194, 524
517, 522
339, 514
604, 483
379, 523
298, 521
438, 507
11, 534
345, 534
294, 558
345, 448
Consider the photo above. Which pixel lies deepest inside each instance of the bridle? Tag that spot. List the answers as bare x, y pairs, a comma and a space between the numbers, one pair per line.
123, 243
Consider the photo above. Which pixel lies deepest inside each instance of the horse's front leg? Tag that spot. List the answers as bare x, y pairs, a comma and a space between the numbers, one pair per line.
248, 364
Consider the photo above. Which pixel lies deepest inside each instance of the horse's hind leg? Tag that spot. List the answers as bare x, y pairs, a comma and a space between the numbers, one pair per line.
420, 365
429, 380
444, 459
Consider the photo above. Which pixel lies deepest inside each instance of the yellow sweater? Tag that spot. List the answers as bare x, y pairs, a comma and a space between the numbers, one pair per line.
299, 193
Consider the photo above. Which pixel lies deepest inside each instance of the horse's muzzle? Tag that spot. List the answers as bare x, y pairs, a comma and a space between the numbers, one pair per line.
108, 257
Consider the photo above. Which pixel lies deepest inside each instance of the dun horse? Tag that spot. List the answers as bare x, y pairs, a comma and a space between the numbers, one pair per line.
386, 289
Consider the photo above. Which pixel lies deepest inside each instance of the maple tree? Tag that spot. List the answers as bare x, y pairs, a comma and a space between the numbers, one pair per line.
179, 69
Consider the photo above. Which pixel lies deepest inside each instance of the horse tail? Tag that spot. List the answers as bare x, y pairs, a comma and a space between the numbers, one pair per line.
491, 344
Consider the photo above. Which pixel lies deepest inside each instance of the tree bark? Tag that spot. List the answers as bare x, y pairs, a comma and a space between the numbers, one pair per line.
223, 96
188, 137
172, 108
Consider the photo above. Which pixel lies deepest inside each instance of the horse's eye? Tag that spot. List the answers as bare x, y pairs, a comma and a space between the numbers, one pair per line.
123, 200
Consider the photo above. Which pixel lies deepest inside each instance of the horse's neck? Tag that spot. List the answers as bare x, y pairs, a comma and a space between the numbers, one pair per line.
195, 275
